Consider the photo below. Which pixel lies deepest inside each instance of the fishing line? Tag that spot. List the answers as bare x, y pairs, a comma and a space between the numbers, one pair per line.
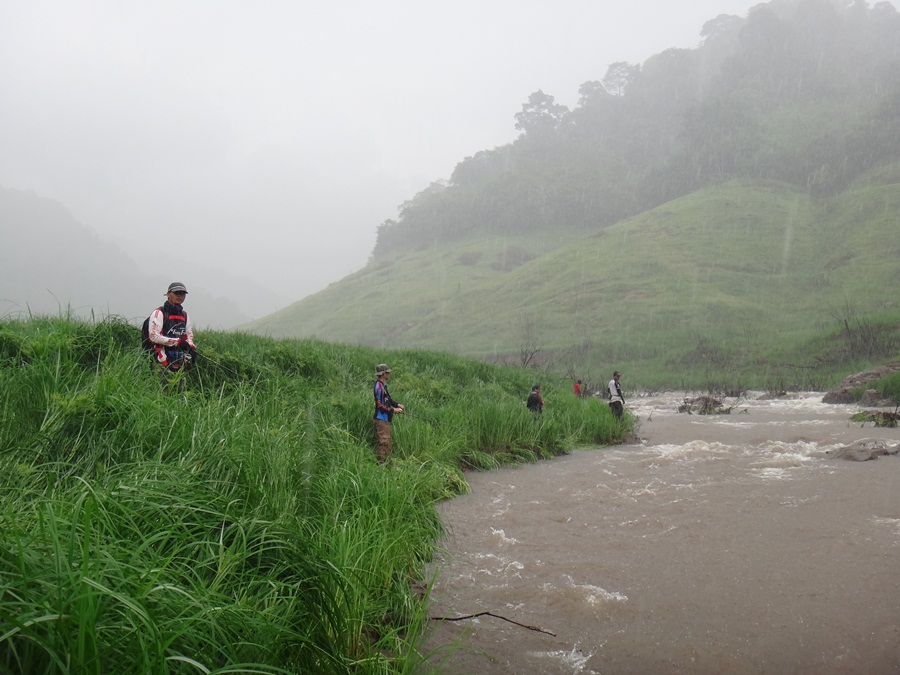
417, 417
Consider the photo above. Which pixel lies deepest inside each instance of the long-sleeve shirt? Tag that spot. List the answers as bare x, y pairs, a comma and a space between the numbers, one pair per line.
166, 327
179, 324
384, 404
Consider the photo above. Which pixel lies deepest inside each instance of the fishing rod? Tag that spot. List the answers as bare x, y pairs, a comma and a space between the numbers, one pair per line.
216, 363
417, 417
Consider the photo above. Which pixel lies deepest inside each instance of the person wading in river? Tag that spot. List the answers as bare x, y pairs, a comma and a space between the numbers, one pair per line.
385, 407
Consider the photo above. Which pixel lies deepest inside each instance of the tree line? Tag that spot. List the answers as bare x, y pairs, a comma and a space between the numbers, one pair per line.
805, 92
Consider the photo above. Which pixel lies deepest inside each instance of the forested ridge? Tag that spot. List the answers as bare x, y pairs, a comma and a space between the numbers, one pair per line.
804, 92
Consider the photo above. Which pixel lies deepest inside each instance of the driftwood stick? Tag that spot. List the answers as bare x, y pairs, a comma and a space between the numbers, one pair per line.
496, 616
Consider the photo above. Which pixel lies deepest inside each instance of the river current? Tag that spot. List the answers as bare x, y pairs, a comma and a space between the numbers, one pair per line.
711, 544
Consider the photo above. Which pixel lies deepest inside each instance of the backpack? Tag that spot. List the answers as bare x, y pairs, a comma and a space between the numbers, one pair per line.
145, 333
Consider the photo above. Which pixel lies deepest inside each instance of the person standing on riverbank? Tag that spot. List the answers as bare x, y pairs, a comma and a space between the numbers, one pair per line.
616, 399
385, 407
535, 401
169, 333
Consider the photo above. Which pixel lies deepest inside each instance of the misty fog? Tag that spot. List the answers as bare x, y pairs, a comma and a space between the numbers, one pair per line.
252, 152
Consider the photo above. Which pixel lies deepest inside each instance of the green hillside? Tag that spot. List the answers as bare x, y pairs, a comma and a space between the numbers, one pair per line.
723, 213
743, 270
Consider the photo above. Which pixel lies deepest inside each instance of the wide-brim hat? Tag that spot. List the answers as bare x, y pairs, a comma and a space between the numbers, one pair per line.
177, 287
381, 369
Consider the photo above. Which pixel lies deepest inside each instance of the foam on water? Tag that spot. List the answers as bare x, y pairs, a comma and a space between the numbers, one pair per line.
704, 448
594, 595
805, 449
725, 422
772, 473
890, 522
695, 450
576, 659
500, 537
781, 455
488, 564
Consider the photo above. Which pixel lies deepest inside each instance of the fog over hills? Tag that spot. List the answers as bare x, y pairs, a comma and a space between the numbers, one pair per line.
263, 143
52, 264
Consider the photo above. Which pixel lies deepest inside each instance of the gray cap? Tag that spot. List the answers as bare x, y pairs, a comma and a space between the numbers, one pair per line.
175, 287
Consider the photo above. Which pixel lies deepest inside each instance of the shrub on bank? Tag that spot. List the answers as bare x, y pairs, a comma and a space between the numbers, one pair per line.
887, 388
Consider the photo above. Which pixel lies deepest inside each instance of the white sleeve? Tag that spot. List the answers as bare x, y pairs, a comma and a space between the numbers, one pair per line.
188, 330
156, 326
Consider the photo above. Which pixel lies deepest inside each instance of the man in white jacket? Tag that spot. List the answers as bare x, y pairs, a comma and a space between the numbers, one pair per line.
616, 400
170, 331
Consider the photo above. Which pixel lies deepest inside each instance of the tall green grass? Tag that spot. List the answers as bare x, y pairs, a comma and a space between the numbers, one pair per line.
238, 521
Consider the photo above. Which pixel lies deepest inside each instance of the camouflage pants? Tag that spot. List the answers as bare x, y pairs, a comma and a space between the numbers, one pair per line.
383, 434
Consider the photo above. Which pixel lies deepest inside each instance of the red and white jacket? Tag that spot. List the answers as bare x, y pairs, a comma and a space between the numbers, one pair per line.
166, 327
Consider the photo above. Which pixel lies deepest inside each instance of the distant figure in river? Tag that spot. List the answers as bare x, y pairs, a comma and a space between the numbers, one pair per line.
577, 389
616, 400
535, 401
385, 407
170, 334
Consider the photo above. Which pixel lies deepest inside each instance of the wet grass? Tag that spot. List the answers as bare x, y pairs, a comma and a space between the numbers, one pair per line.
237, 521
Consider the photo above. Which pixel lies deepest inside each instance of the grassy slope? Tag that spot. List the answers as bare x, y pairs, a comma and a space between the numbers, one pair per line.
750, 267
861, 248
244, 521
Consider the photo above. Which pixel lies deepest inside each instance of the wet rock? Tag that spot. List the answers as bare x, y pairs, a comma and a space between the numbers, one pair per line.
843, 393
864, 450
702, 405
772, 395
871, 398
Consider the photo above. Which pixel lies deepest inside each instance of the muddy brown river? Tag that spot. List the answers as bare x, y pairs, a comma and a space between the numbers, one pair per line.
715, 544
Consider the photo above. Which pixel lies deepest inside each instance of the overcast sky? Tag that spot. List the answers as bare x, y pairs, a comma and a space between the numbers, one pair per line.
271, 138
